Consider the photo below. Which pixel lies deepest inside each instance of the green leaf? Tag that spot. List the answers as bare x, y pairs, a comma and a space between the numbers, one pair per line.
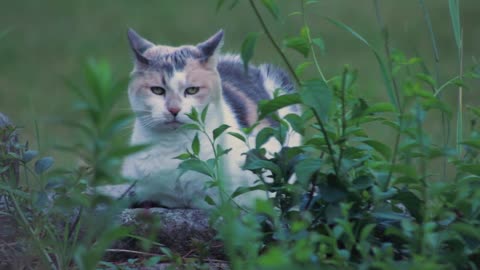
183, 156
366, 231
260, 164
362, 182
218, 131
193, 115
238, 136
197, 166
248, 48
320, 44
413, 204
273, 258
273, 105
380, 147
29, 155
332, 194
121, 152
242, 190
380, 107
196, 145
272, 6
264, 207
263, 136
191, 126
467, 230
203, 116
469, 168
299, 44
390, 215
43, 164
209, 200
296, 122
221, 151
317, 95
300, 69
306, 168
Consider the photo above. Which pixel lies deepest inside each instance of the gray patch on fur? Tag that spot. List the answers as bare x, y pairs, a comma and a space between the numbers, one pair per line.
175, 61
232, 72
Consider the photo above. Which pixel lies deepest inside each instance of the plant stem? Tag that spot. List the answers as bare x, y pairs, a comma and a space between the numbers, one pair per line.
343, 116
384, 31
460, 100
272, 40
331, 153
310, 43
436, 56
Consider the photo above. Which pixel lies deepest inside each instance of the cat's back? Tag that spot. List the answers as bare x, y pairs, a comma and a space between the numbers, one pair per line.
244, 90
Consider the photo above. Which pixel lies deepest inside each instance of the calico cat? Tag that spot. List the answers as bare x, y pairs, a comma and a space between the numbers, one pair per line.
166, 83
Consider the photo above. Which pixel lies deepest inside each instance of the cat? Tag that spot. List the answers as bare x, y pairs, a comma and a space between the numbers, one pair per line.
166, 84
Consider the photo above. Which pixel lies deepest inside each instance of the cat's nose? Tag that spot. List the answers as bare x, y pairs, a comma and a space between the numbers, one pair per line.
174, 110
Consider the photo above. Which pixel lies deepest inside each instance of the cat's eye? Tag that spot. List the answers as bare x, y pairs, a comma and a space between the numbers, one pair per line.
157, 90
192, 90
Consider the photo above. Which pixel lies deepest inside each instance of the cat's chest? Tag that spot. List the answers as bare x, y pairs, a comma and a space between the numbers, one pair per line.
161, 158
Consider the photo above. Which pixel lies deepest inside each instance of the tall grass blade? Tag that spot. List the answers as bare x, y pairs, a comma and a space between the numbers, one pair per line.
454, 8
387, 78
436, 55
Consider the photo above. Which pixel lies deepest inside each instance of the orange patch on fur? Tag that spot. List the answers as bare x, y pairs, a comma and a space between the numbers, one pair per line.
198, 75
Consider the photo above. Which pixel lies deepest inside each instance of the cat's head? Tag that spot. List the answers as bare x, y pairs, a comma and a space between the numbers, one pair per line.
167, 82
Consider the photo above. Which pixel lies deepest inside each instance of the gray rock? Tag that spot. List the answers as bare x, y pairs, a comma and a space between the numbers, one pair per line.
184, 231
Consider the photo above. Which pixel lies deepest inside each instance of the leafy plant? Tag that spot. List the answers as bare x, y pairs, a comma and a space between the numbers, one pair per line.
358, 202
57, 208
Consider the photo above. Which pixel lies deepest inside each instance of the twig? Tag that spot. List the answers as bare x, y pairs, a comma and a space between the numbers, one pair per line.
127, 191
274, 43
75, 223
132, 252
313, 180
309, 37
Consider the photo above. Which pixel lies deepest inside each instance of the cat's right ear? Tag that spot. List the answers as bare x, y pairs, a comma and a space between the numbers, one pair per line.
139, 45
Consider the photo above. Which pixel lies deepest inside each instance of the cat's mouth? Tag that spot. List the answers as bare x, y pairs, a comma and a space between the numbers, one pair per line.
173, 123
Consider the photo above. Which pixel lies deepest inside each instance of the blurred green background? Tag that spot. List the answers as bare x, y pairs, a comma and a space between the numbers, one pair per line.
48, 41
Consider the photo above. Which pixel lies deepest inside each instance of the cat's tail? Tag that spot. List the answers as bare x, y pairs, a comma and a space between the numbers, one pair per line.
275, 78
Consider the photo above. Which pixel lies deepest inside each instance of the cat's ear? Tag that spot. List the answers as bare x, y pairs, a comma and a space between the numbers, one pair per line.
139, 45
211, 47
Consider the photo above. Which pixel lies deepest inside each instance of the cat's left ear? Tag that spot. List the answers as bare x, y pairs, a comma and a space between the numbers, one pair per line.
211, 48
139, 45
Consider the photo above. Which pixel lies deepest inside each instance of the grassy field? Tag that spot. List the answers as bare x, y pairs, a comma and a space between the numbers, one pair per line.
49, 41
